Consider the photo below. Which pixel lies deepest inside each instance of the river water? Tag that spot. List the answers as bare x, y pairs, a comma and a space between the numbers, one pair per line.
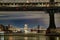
29, 38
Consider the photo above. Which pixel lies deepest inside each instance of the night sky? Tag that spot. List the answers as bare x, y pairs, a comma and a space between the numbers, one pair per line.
32, 18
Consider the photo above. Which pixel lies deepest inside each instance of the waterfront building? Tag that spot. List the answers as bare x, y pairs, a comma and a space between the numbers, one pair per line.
12, 28
26, 28
43, 30
2, 27
40, 30
58, 29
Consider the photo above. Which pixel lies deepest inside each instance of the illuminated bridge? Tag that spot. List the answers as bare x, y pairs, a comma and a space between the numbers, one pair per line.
29, 6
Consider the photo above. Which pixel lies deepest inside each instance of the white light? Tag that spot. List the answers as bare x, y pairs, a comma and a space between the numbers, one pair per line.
25, 25
27, 1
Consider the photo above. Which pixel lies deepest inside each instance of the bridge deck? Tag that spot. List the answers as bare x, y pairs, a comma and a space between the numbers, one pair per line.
42, 6
56, 9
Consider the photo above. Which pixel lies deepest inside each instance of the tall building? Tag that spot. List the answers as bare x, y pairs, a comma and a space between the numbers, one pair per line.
26, 28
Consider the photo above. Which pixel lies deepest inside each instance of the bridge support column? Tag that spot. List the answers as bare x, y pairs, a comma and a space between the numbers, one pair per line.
52, 27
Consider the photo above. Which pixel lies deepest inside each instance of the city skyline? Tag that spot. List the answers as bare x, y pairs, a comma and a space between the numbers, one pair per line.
32, 18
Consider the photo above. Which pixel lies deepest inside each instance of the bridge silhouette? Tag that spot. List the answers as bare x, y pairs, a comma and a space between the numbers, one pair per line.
41, 6
49, 7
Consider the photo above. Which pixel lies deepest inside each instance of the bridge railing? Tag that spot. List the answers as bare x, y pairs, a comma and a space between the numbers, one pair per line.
40, 4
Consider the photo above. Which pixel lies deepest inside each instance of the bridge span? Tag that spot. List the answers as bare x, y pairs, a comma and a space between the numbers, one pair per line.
38, 6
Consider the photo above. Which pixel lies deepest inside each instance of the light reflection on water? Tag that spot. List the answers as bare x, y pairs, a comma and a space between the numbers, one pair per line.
29, 38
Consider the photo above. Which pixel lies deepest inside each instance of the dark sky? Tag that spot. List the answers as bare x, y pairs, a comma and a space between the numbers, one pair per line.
32, 18
21, 22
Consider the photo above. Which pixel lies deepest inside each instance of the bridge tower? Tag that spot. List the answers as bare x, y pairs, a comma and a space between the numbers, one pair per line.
52, 27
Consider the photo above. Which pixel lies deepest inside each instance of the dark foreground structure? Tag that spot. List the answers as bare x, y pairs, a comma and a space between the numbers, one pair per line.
52, 27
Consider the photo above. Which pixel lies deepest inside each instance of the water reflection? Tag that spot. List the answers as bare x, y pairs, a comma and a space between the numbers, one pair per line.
1, 37
26, 38
10, 38
29, 38
51, 37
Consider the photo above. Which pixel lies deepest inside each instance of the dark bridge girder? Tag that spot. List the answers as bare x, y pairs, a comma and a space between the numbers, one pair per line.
56, 9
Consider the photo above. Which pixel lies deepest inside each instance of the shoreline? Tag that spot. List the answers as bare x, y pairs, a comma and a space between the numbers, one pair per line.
27, 34
22, 34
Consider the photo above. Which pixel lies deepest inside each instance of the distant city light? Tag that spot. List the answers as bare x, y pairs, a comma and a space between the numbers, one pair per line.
25, 25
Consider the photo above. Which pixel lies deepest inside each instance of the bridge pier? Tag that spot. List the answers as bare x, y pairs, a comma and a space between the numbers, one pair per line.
52, 27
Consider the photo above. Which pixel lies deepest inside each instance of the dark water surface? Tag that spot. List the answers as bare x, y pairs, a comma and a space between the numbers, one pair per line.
29, 38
